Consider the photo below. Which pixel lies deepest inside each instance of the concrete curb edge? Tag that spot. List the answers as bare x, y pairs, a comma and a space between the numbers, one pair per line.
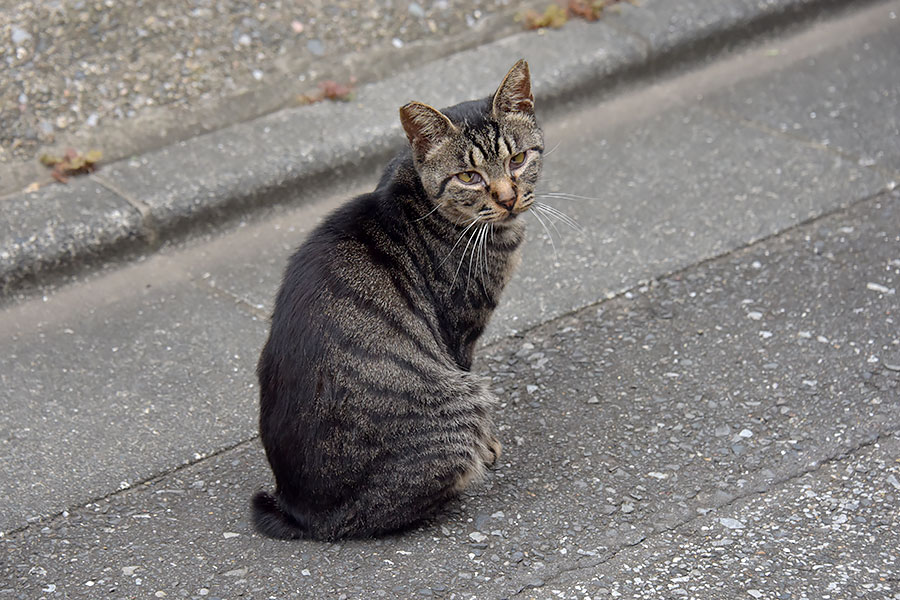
132, 206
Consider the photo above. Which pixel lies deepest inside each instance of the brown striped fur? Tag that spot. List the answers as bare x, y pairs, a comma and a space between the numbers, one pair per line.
369, 414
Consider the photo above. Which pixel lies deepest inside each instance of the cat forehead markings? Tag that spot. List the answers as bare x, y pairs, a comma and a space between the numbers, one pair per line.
488, 146
476, 156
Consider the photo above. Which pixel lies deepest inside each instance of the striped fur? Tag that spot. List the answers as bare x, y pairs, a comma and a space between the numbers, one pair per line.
369, 414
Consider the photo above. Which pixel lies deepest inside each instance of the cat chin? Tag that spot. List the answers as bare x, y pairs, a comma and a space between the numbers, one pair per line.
511, 222
504, 221
513, 217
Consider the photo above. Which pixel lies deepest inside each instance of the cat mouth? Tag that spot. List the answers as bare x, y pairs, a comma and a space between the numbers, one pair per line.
509, 213
507, 217
503, 214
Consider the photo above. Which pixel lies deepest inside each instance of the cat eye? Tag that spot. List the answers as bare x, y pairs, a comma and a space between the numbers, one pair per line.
469, 177
517, 159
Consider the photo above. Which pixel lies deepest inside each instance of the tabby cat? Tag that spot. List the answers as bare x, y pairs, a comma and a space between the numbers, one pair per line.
369, 414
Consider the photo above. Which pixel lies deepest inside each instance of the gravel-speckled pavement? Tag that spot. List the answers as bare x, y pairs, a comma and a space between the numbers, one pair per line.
126, 77
729, 431
701, 388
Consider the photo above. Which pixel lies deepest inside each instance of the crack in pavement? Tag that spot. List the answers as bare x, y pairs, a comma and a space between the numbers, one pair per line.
198, 459
242, 303
751, 490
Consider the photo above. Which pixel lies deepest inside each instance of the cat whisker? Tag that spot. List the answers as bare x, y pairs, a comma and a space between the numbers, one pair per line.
484, 254
550, 219
487, 259
541, 221
555, 212
463, 257
468, 227
552, 150
476, 256
429, 213
478, 236
565, 196
561, 216
481, 267
486, 268
477, 249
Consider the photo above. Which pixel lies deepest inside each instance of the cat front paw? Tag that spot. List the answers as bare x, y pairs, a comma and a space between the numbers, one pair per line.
494, 449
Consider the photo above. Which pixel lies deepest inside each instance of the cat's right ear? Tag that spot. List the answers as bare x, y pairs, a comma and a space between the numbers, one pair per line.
425, 127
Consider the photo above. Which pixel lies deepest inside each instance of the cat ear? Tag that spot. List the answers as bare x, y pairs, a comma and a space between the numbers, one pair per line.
514, 94
424, 126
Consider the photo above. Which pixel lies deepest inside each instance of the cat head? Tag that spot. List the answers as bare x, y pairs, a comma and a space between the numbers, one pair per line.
479, 160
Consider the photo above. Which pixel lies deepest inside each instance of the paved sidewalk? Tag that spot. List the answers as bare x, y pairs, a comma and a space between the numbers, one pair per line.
701, 389
142, 199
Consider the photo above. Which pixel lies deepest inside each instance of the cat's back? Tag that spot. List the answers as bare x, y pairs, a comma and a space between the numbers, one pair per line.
351, 279
312, 269
354, 242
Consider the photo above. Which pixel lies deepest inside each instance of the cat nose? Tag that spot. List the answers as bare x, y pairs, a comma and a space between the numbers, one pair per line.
504, 194
507, 203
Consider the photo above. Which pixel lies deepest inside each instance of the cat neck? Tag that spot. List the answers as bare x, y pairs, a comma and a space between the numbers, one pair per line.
464, 266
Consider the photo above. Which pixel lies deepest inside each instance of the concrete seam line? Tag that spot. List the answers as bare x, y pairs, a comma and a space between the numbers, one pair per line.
865, 442
104, 222
243, 305
131, 486
148, 228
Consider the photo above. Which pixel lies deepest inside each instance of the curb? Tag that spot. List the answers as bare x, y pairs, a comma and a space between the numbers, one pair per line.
133, 205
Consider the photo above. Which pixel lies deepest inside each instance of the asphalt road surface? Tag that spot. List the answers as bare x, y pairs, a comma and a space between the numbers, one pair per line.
700, 387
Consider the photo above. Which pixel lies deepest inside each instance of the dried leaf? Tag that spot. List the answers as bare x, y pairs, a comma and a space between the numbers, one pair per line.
328, 90
71, 163
332, 90
48, 160
554, 16
590, 10
93, 156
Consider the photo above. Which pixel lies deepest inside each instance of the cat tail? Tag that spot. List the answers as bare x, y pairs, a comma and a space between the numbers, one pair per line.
271, 520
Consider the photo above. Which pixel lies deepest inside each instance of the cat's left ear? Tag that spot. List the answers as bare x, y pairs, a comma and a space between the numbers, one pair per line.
514, 94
